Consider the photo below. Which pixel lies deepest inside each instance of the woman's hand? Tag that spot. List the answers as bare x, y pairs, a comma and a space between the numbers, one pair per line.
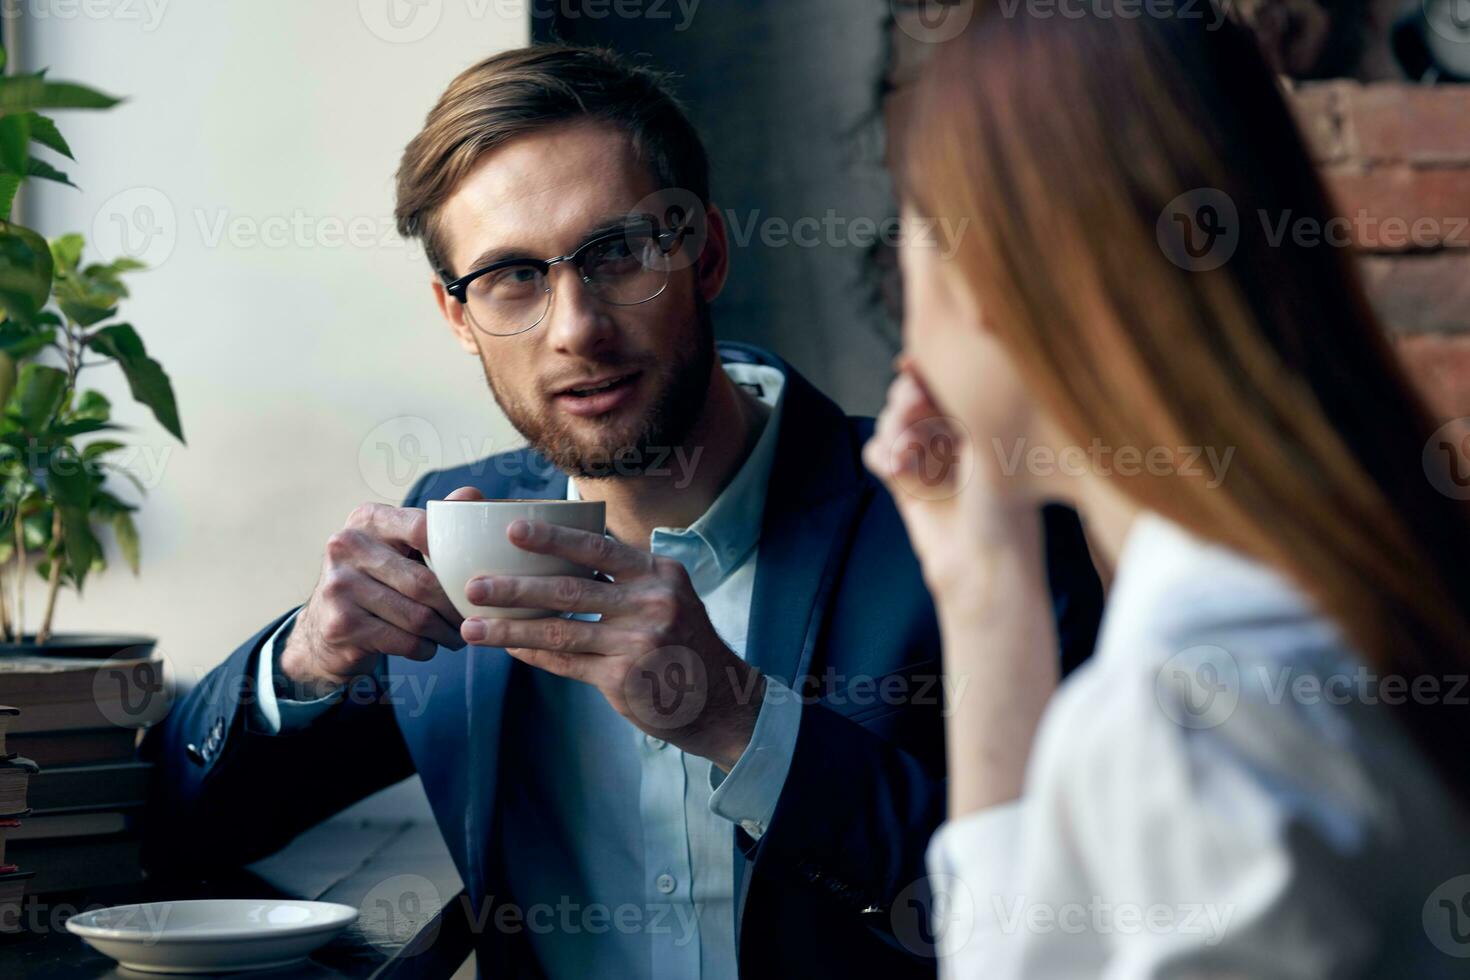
980, 544
951, 501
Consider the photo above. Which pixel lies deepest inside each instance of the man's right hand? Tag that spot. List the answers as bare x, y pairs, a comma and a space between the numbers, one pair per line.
375, 597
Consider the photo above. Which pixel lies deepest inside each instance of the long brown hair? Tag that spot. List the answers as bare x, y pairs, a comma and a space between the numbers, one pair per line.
1065, 140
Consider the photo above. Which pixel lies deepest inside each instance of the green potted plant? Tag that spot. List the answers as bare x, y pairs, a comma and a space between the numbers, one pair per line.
56, 451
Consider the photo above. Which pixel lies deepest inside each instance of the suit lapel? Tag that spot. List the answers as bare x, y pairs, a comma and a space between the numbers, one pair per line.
812, 504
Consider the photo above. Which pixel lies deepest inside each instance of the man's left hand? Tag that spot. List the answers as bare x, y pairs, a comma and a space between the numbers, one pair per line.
653, 654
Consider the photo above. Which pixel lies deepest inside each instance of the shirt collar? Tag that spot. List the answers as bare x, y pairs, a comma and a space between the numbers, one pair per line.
726, 533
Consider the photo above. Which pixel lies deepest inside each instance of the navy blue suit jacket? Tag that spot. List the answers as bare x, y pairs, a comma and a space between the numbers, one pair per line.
833, 888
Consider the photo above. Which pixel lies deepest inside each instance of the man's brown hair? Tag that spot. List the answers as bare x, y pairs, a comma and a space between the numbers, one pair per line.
527, 89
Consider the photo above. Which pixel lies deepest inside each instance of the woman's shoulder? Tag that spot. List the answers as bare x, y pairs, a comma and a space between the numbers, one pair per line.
1223, 704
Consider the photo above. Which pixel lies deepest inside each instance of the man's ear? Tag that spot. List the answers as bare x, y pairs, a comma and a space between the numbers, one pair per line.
713, 265
453, 313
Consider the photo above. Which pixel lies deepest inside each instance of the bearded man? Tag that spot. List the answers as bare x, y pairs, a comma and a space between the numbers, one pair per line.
778, 828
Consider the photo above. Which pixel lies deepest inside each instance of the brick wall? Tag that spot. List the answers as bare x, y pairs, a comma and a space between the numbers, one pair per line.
1397, 158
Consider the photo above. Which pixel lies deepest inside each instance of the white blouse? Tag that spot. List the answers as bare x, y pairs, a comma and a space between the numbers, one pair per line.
1221, 792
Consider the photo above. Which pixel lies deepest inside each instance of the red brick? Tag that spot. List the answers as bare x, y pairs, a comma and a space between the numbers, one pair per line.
1317, 107
1384, 204
1440, 365
1420, 293
1390, 121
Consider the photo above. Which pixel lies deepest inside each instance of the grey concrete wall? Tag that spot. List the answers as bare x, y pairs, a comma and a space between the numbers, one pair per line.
783, 92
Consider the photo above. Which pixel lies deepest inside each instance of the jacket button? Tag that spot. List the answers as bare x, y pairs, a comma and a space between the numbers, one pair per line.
195, 756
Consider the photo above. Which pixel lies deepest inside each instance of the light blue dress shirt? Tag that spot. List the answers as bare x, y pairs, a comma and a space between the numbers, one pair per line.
616, 845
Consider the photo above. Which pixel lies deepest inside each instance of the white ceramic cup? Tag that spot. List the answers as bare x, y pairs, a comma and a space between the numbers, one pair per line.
467, 539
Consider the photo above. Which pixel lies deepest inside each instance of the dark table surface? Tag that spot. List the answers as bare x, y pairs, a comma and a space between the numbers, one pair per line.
397, 872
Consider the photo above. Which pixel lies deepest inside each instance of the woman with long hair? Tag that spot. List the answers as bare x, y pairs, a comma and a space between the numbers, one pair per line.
1262, 771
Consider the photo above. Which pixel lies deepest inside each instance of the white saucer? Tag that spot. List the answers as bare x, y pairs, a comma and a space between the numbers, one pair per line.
211, 936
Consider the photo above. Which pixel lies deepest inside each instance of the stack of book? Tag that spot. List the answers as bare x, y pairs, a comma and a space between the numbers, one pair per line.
78, 726
15, 776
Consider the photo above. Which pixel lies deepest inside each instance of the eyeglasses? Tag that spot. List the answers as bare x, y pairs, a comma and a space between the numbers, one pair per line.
625, 267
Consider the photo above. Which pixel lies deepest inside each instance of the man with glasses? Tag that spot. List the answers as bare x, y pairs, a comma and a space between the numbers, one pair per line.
777, 827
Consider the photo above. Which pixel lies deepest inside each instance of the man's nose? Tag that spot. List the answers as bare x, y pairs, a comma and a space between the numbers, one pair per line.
578, 322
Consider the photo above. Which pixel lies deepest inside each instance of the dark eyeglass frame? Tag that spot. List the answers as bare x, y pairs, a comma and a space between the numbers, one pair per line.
667, 242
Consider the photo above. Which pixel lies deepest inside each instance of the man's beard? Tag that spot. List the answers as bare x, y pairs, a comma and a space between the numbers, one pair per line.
630, 448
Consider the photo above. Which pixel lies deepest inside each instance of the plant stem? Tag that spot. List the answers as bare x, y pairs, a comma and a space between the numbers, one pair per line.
54, 583
20, 578
4, 609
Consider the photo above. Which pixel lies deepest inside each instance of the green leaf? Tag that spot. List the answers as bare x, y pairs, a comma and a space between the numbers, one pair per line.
25, 271
44, 131
123, 263
25, 93
108, 278
129, 474
108, 504
84, 304
91, 295
15, 139
38, 393
82, 427
81, 544
67, 480
66, 252
44, 170
91, 405
9, 184
127, 538
36, 529
101, 447
21, 342
146, 378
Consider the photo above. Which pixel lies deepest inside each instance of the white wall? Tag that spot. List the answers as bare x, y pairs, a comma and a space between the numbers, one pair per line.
252, 166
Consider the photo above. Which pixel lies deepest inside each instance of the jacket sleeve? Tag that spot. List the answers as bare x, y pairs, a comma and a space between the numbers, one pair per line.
226, 791
853, 821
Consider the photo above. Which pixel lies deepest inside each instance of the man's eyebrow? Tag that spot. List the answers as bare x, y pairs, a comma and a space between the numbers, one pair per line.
604, 224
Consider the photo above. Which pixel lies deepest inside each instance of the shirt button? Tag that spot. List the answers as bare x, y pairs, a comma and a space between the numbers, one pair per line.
654, 743
665, 883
